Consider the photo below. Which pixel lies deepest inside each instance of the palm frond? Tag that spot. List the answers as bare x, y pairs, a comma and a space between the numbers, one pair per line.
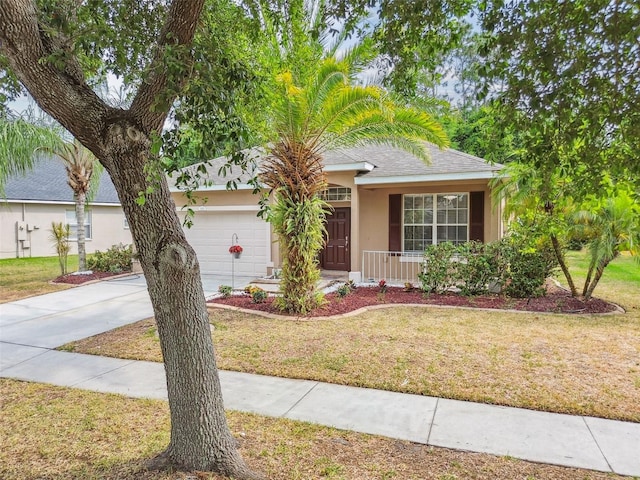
358, 57
19, 141
330, 76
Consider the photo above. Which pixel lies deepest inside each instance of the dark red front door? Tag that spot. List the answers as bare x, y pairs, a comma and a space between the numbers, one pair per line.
337, 252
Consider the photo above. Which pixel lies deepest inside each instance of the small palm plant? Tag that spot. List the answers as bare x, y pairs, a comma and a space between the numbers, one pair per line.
60, 239
322, 112
613, 225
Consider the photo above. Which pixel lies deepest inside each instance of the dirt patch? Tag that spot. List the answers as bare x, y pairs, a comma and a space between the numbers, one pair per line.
76, 279
556, 300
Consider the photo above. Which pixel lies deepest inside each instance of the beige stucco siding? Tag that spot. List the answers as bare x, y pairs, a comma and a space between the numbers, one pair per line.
374, 212
108, 228
369, 209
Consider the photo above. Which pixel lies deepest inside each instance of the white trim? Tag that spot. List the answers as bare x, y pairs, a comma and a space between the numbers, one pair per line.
405, 258
268, 242
55, 202
221, 208
346, 167
436, 177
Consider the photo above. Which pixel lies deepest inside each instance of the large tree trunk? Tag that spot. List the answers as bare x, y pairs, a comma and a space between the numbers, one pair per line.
200, 437
120, 139
81, 200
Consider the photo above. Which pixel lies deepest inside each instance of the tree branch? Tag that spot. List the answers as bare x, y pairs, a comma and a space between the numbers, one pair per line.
178, 31
61, 92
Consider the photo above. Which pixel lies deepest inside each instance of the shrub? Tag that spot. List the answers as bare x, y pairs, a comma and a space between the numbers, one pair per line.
115, 260
530, 262
258, 295
520, 263
60, 237
478, 267
437, 268
343, 290
225, 290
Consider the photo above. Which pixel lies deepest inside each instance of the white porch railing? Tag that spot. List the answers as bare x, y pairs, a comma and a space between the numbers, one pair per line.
394, 267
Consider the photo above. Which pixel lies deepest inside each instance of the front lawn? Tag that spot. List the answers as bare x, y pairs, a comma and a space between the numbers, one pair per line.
26, 277
58, 433
576, 364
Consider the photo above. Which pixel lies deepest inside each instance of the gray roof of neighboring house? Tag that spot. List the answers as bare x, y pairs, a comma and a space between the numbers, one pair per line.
47, 182
384, 161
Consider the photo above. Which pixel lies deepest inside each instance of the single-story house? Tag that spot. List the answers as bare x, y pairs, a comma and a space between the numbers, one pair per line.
387, 206
41, 196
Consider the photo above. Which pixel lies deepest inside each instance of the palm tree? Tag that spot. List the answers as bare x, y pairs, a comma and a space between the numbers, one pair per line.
80, 165
613, 226
323, 112
20, 139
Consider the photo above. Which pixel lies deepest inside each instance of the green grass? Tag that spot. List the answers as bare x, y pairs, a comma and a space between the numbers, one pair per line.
620, 282
624, 268
26, 277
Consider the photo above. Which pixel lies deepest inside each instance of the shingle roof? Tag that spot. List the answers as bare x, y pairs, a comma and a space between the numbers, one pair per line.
392, 162
388, 162
220, 179
47, 182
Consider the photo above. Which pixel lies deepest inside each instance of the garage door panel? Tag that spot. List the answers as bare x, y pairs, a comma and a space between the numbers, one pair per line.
211, 236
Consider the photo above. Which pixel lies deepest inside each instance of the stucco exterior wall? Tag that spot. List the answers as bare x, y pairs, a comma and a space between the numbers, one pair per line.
369, 210
374, 212
107, 223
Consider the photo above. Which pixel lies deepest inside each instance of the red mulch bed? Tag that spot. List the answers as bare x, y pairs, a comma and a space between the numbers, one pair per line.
556, 300
72, 279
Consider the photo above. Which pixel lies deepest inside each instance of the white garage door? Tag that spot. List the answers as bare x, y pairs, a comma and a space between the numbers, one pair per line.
211, 236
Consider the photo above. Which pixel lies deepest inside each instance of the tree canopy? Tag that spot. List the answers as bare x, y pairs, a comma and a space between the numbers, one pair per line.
567, 76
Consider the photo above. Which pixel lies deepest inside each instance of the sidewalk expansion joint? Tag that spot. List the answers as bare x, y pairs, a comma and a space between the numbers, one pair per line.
103, 373
597, 444
433, 418
27, 345
284, 415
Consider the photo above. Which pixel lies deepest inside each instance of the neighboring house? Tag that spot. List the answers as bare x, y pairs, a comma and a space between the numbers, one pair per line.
42, 196
387, 206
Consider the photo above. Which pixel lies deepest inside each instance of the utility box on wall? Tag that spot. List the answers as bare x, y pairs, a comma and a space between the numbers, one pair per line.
21, 231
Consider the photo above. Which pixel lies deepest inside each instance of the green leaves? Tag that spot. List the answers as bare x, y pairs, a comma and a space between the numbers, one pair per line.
300, 229
571, 81
19, 141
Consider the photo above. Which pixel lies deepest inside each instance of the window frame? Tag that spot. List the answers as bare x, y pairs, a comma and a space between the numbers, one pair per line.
336, 193
434, 218
73, 226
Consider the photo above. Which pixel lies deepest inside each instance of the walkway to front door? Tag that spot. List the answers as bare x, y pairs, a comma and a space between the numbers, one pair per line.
337, 254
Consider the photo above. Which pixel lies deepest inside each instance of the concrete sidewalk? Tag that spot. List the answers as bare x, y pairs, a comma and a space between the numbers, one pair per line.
30, 328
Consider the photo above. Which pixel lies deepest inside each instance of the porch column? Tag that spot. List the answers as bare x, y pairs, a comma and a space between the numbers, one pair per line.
354, 240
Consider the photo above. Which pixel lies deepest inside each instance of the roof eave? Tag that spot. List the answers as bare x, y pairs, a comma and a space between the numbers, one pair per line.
349, 167
61, 202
